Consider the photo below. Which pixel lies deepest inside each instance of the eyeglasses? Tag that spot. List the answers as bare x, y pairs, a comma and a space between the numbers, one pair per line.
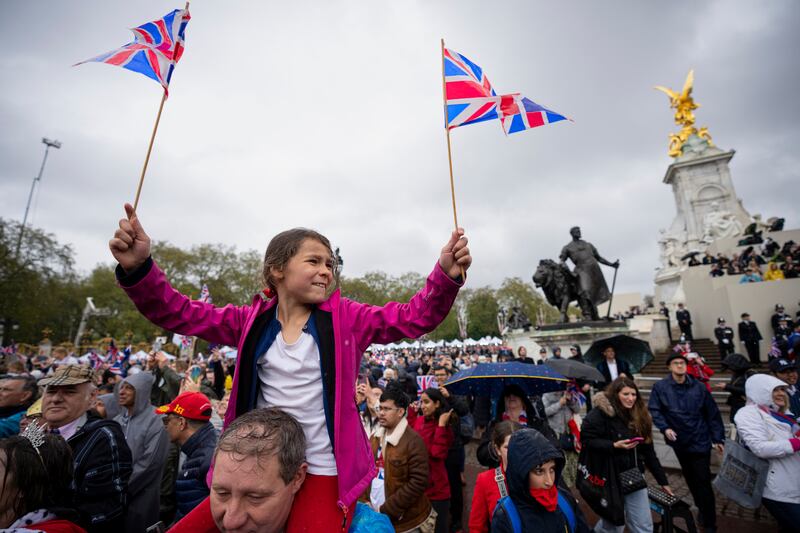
169, 417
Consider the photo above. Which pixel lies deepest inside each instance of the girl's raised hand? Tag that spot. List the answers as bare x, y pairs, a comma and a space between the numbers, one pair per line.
455, 255
130, 245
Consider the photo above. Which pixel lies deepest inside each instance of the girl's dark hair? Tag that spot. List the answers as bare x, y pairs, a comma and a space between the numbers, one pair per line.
502, 430
436, 396
41, 482
637, 417
284, 246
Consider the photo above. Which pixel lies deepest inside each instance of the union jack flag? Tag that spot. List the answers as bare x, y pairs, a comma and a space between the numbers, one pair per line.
520, 114
470, 98
157, 47
205, 295
469, 94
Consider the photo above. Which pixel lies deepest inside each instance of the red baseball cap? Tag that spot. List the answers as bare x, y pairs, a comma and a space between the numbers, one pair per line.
192, 405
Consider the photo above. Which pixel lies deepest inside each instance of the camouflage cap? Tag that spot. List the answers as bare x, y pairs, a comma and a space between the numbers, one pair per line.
68, 375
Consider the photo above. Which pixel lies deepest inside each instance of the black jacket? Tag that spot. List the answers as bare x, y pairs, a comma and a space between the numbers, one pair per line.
602, 427
190, 485
689, 410
684, 317
722, 333
103, 466
748, 332
528, 449
622, 368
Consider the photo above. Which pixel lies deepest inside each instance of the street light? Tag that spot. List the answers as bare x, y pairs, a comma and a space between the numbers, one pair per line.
49, 143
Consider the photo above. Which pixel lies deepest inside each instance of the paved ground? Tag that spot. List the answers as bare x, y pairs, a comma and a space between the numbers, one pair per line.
731, 518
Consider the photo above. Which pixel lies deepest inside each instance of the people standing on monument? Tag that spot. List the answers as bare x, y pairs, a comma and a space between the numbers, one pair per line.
750, 336
773, 272
777, 316
724, 335
684, 318
770, 432
611, 367
663, 310
750, 276
592, 288
556, 353
685, 412
790, 268
299, 347
522, 356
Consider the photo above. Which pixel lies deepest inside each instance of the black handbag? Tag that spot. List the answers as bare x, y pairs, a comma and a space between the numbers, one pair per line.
598, 484
632, 479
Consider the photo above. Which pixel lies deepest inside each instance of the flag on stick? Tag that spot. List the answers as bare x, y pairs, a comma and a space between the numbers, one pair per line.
156, 49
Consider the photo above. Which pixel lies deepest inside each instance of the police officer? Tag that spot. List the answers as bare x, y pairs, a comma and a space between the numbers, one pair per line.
750, 337
724, 335
684, 318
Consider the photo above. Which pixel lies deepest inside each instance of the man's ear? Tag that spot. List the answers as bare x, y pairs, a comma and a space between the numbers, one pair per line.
299, 477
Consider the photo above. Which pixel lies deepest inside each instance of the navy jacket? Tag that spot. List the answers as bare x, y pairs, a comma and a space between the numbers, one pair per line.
689, 410
622, 368
528, 449
190, 485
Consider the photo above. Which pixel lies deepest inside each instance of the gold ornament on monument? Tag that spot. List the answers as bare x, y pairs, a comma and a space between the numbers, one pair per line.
683, 104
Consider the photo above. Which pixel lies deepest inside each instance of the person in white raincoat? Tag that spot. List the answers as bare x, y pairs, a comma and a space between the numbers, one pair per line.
772, 433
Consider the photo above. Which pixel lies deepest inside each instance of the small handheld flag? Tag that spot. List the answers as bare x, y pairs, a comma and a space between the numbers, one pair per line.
156, 49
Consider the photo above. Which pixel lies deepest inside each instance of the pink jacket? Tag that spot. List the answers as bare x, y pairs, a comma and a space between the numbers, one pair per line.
355, 327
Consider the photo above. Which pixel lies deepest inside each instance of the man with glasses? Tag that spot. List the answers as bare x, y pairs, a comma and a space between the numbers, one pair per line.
102, 459
186, 420
402, 460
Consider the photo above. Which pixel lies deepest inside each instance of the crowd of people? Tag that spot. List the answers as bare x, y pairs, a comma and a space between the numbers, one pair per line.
309, 431
771, 261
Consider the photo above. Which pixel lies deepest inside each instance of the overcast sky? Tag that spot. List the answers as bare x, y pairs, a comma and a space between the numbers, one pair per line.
329, 115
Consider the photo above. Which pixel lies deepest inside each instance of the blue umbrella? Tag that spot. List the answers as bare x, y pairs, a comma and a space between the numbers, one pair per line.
489, 379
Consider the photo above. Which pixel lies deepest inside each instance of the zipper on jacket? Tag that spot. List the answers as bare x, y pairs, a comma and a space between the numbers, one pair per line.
344, 519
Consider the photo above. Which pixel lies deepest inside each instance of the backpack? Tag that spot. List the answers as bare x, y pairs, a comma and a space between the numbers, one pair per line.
516, 522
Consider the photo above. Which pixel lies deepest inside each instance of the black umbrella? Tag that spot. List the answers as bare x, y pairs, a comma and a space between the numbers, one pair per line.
574, 369
736, 362
690, 254
636, 352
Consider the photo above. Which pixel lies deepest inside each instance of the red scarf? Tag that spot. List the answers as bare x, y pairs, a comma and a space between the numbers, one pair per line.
547, 497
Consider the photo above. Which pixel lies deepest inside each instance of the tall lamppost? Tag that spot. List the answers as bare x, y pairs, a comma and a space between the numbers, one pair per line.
50, 144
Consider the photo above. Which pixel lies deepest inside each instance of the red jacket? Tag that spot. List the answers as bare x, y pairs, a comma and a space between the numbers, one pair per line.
484, 500
438, 441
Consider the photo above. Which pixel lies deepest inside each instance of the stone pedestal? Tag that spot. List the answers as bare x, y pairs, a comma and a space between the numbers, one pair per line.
564, 335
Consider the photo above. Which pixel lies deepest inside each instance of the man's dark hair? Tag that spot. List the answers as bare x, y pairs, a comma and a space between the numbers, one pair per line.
29, 385
265, 433
395, 393
441, 367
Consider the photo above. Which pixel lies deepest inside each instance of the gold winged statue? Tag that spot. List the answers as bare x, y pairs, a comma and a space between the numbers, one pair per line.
683, 104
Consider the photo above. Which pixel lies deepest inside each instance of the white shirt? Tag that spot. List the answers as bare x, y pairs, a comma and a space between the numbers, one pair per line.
291, 379
612, 369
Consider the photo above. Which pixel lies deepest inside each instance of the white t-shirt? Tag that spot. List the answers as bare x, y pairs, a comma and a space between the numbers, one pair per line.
612, 369
291, 380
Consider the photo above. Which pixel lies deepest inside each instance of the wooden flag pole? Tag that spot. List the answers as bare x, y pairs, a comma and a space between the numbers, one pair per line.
449, 153
152, 138
149, 149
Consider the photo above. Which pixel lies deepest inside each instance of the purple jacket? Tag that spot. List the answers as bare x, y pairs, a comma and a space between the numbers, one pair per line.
354, 326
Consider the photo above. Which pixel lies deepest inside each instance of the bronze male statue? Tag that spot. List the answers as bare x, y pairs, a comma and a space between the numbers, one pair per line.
591, 285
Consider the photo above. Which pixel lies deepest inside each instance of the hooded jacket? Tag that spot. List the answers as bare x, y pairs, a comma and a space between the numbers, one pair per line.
148, 441
603, 426
769, 439
528, 449
190, 485
346, 328
537, 419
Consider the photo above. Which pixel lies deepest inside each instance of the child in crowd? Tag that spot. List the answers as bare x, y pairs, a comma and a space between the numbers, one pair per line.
534, 502
299, 345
